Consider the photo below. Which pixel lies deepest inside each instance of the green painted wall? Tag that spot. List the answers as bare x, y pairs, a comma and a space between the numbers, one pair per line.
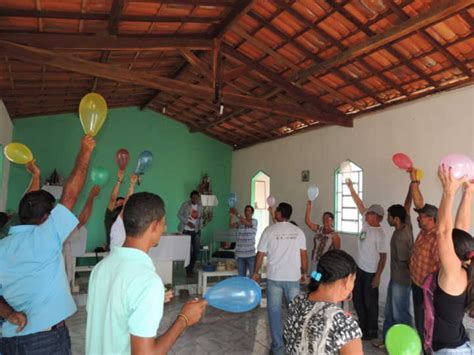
180, 158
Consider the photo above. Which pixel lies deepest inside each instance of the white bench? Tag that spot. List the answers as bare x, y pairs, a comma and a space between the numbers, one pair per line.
204, 275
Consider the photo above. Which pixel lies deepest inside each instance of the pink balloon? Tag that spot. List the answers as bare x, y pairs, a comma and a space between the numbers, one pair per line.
471, 175
271, 201
460, 164
402, 161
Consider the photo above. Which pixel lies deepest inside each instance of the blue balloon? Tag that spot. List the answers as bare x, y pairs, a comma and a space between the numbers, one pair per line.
232, 200
237, 294
144, 162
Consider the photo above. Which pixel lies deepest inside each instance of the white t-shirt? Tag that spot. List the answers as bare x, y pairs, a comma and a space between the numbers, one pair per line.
282, 243
117, 233
193, 217
372, 241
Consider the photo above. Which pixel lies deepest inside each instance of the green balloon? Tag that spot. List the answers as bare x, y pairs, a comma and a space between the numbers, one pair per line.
402, 339
99, 176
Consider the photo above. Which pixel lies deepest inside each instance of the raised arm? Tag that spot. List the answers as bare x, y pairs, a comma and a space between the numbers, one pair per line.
75, 182
272, 214
87, 209
115, 190
232, 224
463, 217
313, 226
35, 182
415, 189
355, 197
408, 199
130, 191
450, 263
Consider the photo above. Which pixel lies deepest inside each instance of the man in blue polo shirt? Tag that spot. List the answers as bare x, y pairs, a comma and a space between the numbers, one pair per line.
35, 297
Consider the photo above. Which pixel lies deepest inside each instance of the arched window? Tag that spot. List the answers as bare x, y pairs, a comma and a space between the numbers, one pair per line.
348, 219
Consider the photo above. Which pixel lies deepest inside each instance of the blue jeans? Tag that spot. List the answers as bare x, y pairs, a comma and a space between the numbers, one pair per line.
465, 349
244, 264
53, 342
397, 306
275, 291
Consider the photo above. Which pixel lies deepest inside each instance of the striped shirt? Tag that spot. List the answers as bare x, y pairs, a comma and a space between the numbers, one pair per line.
245, 246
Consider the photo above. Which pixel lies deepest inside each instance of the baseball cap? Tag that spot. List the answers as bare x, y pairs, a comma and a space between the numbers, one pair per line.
429, 210
377, 209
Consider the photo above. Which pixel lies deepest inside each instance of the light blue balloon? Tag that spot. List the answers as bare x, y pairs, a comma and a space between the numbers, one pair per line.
144, 162
232, 200
237, 295
313, 192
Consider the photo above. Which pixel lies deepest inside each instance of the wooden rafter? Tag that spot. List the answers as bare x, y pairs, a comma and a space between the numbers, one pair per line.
224, 3
427, 37
106, 42
298, 93
45, 57
441, 9
8, 12
240, 9
115, 13
103, 59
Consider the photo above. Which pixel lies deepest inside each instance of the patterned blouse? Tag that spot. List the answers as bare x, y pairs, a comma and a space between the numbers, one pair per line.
318, 327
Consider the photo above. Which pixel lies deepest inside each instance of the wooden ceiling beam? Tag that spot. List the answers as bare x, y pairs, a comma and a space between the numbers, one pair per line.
239, 10
8, 12
196, 62
427, 37
317, 59
392, 50
45, 57
115, 13
105, 42
223, 3
103, 59
232, 74
296, 92
441, 9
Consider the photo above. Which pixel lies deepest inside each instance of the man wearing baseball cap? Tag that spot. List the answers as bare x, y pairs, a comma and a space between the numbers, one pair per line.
425, 257
373, 247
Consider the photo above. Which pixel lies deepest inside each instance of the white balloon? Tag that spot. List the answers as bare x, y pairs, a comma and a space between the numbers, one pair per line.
313, 192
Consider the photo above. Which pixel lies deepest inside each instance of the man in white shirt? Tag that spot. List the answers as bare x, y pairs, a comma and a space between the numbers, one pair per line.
284, 244
373, 246
190, 223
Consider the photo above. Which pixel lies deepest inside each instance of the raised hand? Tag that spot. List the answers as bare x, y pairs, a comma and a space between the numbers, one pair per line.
450, 184
32, 168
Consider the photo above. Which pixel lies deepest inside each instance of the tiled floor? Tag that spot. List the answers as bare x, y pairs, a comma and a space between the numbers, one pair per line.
218, 333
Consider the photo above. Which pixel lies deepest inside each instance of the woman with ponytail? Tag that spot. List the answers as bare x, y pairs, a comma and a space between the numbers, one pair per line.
315, 324
452, 293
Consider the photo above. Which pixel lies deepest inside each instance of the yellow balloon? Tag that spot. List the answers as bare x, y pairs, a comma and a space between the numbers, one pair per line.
92, 112
419, 174
18, 153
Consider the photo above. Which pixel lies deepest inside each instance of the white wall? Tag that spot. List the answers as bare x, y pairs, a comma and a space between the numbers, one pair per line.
6, 128
426, 130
